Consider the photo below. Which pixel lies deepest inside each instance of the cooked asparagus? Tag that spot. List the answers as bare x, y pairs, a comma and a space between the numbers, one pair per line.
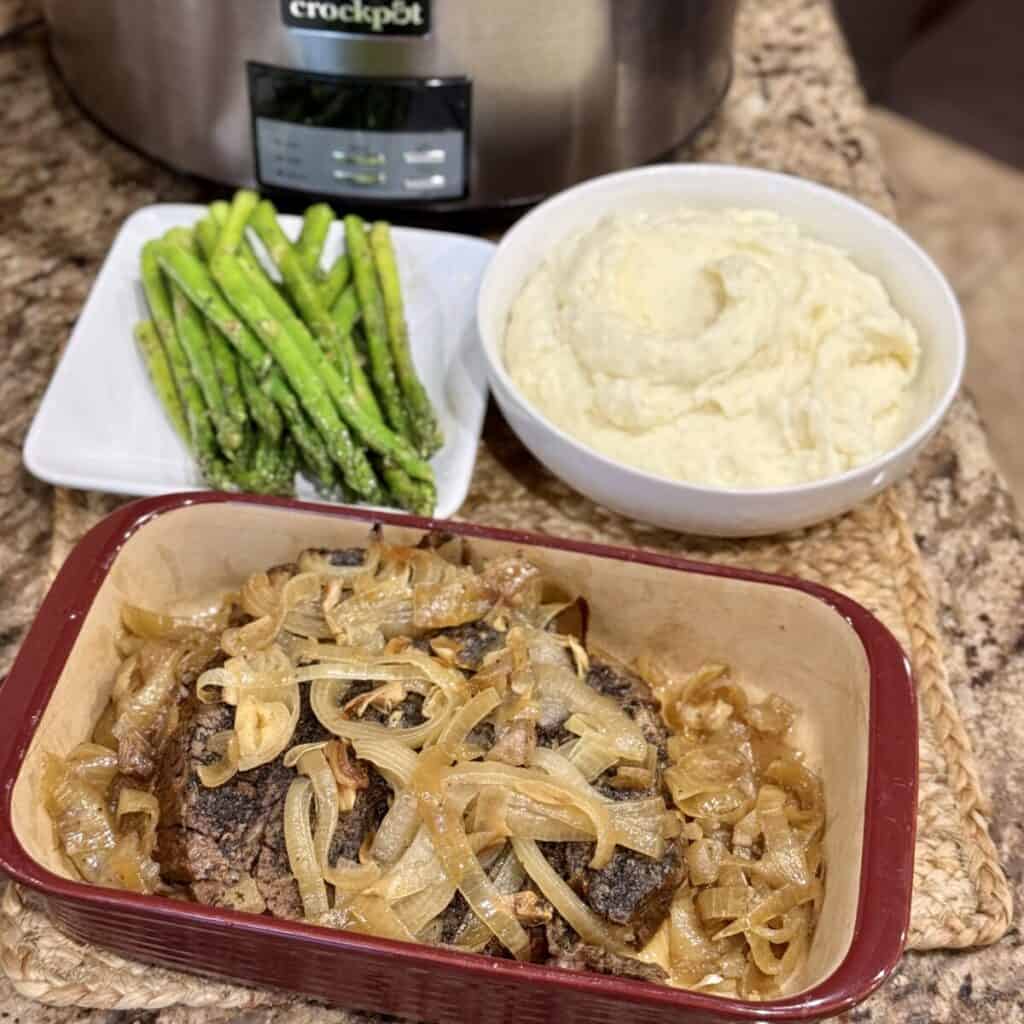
415, 495
372, 432
159, 300
310, 443
421, 414
335, 281
304, 376
233, 230
316, 222
159, 369
224, 358
345, 314
268, 471
206, 362
299, 282
264, 412
382, 367
219, 214
196, 342
195, 281
269, 366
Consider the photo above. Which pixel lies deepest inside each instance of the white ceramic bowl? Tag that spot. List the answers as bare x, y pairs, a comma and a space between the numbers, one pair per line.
916, 286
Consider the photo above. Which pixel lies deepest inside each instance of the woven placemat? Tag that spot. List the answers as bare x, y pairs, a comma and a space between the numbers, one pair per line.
794, 106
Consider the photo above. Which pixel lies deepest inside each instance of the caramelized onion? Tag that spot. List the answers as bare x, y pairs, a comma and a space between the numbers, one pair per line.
260, 633
302, 855
456, 855
216, 773
546, 791
159, 626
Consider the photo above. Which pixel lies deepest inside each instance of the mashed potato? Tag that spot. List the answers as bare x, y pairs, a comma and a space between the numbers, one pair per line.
722, 347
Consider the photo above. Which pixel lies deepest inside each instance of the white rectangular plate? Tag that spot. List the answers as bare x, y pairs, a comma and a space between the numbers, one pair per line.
101, 427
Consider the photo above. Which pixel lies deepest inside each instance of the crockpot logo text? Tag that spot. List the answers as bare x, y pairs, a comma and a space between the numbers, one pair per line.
372, 17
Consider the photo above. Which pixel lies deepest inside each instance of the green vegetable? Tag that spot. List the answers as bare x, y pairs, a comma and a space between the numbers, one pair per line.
335, 281
224, 358
345, 314
159, 369
311, 445
316, 222
196, 342
159, 300
264, 412
382, 367
372, 432
299, 282
424, 422
233, 230
304, 376
195, 281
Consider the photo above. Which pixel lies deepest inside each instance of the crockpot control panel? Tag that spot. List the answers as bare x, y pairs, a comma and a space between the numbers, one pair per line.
384, 139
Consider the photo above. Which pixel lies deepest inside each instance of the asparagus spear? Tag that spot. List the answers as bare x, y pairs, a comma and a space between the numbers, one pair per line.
207, 232
195, 281
311, 445
381, 364
303, 433
264, 412
196, 342
159, 300
286, 462
159, 368
268, 471
224, 358
335, 281
300, 283
372, 432
208, 239
233, 230
424, 422
304, 376
354, 400
345, 314
316, 222
200, 432
345, 309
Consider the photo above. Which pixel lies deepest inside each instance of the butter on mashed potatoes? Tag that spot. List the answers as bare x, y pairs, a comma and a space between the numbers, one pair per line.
720, 347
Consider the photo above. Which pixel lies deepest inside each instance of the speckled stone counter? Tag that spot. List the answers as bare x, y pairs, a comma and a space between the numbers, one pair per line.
65, 187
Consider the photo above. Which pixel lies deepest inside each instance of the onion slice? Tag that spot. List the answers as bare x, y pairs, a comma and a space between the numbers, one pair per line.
444, 823
302, 857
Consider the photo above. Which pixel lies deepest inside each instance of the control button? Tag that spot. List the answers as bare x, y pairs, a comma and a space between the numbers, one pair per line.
361, 159
426, 184
424, 156
367, 178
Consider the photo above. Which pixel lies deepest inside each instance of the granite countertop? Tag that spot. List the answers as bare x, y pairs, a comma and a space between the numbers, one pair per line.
64, 189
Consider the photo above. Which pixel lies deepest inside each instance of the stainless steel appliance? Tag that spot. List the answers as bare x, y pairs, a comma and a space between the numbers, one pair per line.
442, 104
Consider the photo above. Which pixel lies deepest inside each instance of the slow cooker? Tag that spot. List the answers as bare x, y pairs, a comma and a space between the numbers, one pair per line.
431, 104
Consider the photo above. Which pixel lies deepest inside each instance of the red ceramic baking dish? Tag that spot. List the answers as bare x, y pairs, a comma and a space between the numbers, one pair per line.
818, 648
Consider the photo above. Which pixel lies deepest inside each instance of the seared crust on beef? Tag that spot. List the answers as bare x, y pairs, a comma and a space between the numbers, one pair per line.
216, 839
631, 890
581, 957
565, 949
